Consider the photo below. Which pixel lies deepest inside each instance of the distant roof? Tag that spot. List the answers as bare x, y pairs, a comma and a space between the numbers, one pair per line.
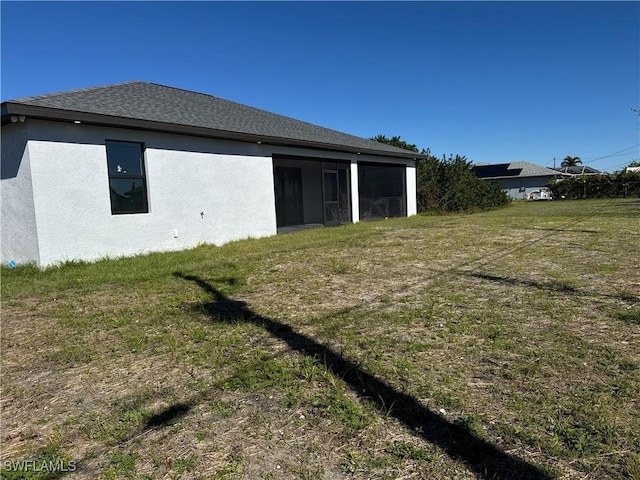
579, 170
513, 169
157, 107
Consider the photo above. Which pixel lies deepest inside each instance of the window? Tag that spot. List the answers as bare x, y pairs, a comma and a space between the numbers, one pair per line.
125, 162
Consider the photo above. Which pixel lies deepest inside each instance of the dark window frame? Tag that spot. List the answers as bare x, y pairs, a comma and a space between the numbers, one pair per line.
127, 176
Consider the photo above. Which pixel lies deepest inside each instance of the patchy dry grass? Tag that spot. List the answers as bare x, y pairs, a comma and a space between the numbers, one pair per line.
496, 345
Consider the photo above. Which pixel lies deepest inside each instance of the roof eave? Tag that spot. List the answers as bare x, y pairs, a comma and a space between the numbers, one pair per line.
10, 109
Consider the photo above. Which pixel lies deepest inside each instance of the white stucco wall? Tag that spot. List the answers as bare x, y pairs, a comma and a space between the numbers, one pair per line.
72, 204
56, 204
19, 238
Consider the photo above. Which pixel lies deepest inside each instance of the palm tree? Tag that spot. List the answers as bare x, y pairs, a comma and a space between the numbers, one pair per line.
570, 161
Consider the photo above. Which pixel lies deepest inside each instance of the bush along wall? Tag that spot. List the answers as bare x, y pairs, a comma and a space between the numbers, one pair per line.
615, 185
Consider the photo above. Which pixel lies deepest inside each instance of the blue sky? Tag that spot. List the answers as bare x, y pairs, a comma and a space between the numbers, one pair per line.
494, 81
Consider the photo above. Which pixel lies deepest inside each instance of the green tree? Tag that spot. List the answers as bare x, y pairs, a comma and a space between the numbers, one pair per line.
570, 161
396, 142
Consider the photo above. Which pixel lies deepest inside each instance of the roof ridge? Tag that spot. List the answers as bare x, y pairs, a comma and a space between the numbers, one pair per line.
75, 90
185, 90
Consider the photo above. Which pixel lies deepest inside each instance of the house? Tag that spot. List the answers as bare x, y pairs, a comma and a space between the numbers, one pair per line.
518, 179
138, 167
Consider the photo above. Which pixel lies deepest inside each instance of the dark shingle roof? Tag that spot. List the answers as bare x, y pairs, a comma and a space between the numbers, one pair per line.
157, 105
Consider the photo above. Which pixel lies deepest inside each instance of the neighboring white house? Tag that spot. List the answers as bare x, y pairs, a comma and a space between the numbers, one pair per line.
519, 179
139, 167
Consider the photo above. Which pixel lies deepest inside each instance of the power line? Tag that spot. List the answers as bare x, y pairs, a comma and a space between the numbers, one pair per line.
611, 154
625, 163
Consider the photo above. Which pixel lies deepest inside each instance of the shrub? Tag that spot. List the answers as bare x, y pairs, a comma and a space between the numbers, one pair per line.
449, 185
620, 184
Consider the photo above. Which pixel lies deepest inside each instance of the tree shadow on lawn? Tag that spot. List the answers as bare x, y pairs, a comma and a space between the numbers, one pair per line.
564, 230
553, 286
458, 442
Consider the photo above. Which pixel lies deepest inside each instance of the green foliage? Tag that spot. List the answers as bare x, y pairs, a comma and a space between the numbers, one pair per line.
472, 423
448, 184
632, 465
340, 408
631, 316
396, 142
570, 161
260, 373
233, 468
185, 464
409, 451
351, 461
122, 465
584, 436
117, 430
615, 185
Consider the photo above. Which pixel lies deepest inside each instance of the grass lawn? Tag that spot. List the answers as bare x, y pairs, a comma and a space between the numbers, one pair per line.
496, 345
